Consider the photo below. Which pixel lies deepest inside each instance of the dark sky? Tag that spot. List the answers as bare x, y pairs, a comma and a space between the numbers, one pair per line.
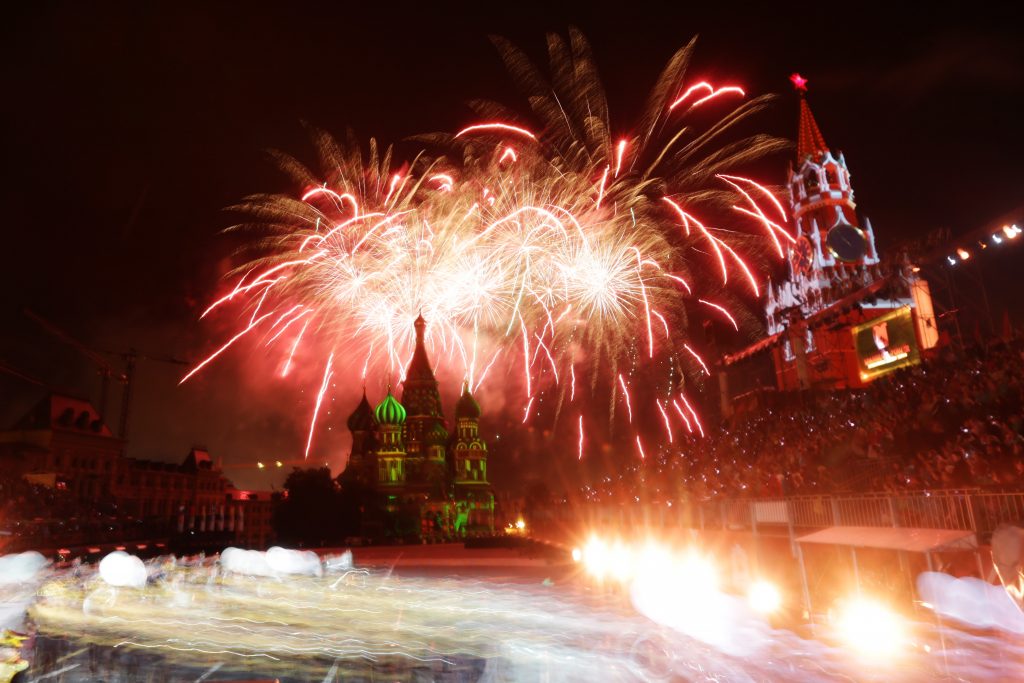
131, 126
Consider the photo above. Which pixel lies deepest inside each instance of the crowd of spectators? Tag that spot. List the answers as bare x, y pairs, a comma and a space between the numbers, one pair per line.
40, 515
954, 422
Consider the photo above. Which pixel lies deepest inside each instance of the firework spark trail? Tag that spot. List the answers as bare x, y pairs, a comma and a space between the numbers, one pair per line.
328, 373
766, 192
490, 127
640, 447
693, 412
526, 412
686, 420
224, 348
722, 310
625, 392
580, 456
619, 152
664, 323
698, 359
668, 425
495, 244
757, 213
712, 93
604, 179
487, 369
294, 346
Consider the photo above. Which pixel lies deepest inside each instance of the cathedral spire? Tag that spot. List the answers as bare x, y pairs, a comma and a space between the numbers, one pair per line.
810, 141
419, 367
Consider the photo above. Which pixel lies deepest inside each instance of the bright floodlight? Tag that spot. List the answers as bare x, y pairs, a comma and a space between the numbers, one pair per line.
577, 555
596, 558
963, 254
764, 597
870, 628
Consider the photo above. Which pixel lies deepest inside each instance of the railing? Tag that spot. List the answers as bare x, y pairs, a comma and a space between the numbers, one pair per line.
966, 510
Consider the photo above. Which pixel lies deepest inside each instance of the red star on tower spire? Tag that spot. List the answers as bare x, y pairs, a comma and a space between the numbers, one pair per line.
810, 141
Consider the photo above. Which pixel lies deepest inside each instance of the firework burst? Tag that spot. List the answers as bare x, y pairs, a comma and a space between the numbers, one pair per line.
541, 249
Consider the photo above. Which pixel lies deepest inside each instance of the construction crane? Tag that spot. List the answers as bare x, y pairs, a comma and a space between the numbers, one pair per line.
15, 372
106, 372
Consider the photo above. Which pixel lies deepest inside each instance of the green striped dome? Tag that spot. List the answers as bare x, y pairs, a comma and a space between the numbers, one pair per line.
389, 411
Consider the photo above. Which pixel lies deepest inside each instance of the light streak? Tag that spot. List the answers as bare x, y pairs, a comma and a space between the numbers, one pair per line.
698, 358
328, 372
686, 420
395, 179
295, 345
224, 348
284, 328
625, 392
664, 415
640, 447
711, 94
692, 412
510, 154
620, 150
763, 190
339, 198
580, 420
444, 181
496, 127
664, 323
723, 311
721, 91
600, 191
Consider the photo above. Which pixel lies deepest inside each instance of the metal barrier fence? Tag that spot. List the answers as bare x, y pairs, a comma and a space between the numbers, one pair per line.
966, 510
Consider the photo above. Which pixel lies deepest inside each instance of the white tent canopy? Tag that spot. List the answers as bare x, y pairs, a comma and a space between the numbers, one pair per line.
894, 538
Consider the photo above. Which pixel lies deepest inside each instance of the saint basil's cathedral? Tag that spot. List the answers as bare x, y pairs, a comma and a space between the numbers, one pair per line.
426, 481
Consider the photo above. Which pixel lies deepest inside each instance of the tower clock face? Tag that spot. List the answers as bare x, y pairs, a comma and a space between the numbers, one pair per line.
846, 242
802, 256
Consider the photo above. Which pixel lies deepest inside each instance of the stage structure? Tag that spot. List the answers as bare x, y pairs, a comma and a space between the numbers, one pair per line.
842, 316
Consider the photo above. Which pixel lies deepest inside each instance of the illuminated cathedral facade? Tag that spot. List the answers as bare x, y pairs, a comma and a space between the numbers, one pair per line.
426, 481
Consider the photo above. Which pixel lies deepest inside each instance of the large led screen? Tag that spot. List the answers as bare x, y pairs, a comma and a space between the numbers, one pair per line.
886, 343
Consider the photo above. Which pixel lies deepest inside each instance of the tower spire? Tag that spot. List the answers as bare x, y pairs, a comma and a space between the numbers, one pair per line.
810, 141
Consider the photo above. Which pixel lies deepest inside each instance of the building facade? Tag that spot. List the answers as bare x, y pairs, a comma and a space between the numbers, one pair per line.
426, 481
64, 442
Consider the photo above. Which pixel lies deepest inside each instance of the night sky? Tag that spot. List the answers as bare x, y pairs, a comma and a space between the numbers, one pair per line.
129, 127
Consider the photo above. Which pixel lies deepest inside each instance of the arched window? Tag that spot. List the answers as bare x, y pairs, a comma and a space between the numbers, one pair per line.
831, 176
812, 181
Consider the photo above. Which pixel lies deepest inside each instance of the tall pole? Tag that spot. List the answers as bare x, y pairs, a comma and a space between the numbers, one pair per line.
126, 400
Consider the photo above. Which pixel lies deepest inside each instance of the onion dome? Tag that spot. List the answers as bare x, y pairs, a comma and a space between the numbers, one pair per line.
437, 434
389, 411
467, 406
361, 419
